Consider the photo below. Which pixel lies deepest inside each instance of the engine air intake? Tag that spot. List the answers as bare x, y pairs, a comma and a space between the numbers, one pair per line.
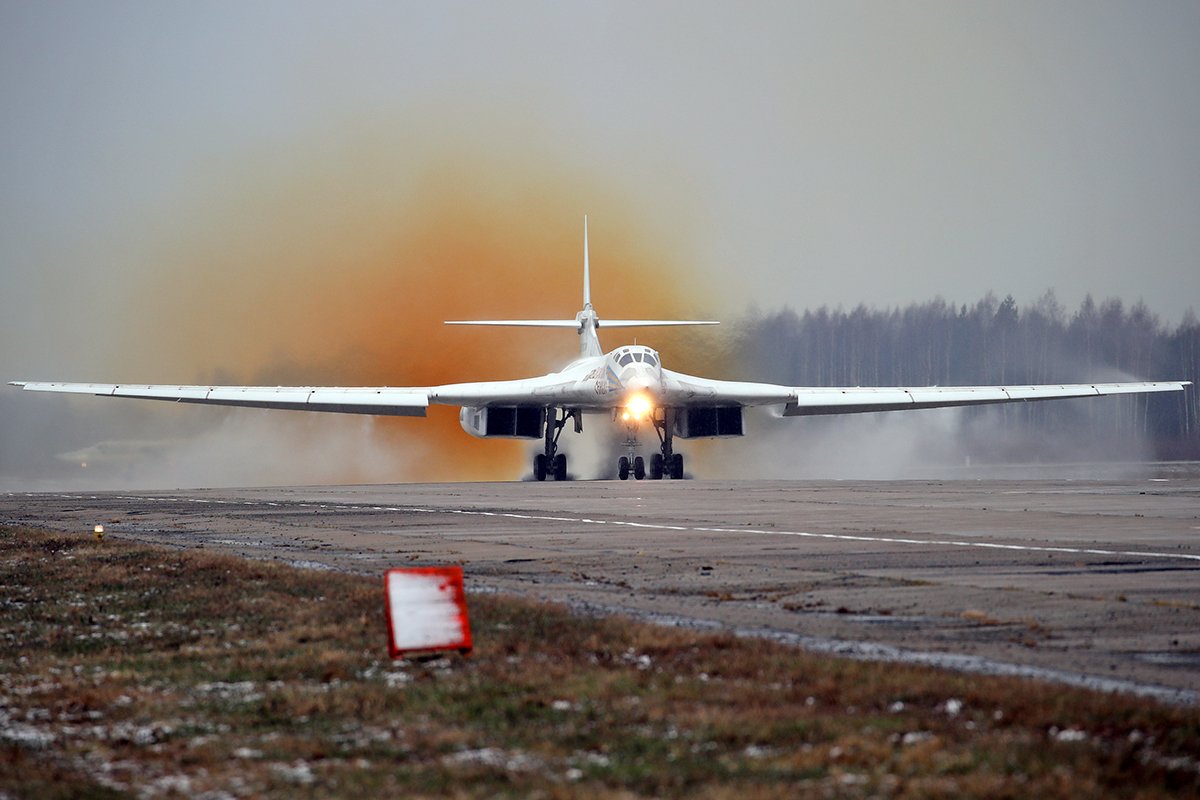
692, 423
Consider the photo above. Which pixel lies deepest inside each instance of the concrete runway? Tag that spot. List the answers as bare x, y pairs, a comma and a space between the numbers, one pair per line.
1084, 581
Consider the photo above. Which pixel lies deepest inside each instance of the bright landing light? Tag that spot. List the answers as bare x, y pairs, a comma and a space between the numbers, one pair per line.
639, 406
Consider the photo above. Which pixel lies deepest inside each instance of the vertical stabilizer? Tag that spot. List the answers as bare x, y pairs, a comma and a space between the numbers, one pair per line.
587, 275
589, 343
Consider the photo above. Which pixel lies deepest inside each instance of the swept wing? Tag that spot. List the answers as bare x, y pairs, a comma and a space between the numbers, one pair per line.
384, 400
564, 389
805, 401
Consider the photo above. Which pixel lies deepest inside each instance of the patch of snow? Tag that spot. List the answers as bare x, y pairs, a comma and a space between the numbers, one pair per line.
1068, 735
297, 772
493, 757
26, 736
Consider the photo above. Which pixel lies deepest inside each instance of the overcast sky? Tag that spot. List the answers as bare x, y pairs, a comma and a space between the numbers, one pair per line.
791, 153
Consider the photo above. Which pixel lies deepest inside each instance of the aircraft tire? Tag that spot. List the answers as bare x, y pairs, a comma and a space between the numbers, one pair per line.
639, 468
560, 467
656, 467
676, 466
539, 467
623, 468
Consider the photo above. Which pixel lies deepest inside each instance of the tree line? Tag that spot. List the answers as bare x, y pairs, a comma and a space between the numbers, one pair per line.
995, 342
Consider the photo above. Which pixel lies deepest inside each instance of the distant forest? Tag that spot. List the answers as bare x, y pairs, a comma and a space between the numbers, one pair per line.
997, 342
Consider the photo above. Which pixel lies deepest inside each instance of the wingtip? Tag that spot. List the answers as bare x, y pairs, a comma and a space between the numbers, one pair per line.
18, 383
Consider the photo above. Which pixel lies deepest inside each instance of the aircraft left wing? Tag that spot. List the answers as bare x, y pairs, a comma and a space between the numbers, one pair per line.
382, 400
804, 401
809, 401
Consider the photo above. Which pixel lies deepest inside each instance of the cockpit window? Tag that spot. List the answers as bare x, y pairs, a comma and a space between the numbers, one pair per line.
642, 355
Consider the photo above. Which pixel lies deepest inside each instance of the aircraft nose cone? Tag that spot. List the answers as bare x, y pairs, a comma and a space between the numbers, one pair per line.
645, 379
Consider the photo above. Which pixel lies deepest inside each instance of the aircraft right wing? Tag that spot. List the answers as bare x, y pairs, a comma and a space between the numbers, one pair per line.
406, 401
383, 400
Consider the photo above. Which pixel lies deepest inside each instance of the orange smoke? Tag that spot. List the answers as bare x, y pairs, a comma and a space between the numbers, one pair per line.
336, 278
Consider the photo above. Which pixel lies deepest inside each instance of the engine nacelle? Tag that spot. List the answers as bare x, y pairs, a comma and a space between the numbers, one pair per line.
504, 422
694, 423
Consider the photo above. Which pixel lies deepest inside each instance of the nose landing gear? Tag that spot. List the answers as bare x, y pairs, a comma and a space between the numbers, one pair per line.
637, 466
665, 463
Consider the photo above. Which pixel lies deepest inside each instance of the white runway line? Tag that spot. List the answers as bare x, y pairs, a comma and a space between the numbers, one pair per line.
1028, 548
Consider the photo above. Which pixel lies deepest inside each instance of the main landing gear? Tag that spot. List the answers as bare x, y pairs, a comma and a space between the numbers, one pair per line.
665, 463
552, 463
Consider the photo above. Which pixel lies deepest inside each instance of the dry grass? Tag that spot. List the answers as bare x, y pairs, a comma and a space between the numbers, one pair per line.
144, 671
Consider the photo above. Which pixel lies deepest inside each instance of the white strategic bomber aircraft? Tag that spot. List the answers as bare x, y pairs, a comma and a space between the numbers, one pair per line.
630, 385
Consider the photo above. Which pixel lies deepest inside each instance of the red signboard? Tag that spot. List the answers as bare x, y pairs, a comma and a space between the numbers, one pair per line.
426, 610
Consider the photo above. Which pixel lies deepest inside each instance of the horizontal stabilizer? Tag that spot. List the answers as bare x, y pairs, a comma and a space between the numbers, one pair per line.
652, 323
574, 323
521, 323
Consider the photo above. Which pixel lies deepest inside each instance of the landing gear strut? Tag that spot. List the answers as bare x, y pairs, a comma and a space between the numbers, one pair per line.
666, 462
553, 463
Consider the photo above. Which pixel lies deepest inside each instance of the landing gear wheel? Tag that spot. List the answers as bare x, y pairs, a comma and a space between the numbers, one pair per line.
639, 468
560, 467
656, 467
539, 467
676, 466
623, 468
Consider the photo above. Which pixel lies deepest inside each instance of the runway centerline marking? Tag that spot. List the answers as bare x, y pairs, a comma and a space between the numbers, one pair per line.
847, 537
